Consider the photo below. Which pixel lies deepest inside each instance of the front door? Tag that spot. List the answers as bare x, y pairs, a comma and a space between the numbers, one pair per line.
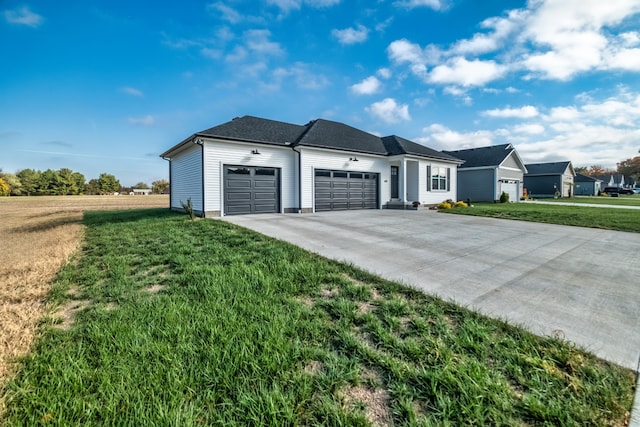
394, 182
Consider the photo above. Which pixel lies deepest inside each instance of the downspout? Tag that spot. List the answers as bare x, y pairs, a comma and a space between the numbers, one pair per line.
201, 144
299, 179
170, 186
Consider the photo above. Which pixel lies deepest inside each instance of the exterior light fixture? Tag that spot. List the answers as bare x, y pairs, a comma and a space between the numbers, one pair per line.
353, 159
255, 151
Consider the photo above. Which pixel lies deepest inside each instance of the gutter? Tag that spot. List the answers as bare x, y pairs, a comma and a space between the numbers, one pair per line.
199, 142
299, 178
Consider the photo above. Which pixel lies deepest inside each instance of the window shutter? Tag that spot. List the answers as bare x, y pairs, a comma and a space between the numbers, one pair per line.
448, 179
428, 178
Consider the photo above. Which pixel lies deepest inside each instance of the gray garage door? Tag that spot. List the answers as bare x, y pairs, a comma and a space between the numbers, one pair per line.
340, 190
249, 189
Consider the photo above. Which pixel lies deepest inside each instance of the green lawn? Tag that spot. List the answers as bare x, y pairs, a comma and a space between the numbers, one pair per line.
582, 216
204, 323
623, 200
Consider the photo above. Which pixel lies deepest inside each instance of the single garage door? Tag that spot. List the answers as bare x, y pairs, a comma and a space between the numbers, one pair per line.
511, 188
249, 189
341, 190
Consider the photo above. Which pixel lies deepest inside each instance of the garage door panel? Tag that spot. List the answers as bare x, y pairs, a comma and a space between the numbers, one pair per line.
342, 190
250, 189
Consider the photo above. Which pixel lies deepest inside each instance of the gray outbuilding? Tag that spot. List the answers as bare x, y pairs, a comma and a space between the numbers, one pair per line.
586, 185
487, 172
553, 179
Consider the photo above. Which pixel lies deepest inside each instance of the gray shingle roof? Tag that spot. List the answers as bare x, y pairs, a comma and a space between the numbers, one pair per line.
482, 156
585, 178
338, 136
318, 133
552, 168
397, 145
255, 129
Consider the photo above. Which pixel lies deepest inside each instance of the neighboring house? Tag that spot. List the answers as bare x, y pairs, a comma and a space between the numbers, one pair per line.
607, 180
255, 165
141, 191
617, 180
488, 171
586, 185
549, 179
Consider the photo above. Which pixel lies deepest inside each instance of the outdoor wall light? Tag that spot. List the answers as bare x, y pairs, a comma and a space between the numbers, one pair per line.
353, 159
255, 151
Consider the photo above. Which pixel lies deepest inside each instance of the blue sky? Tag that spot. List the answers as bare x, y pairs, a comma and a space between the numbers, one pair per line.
106, 86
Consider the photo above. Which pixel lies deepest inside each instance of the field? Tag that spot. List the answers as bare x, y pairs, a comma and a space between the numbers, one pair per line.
164, 321
38, 236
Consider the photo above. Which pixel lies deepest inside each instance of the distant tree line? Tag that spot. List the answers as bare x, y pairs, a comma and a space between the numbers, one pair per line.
629, 167
62, 182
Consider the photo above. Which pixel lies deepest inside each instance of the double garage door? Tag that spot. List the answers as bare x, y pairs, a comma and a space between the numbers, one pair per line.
341, 190
249, 189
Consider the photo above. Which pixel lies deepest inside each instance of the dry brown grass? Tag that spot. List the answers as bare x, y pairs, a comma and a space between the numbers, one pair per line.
38, 235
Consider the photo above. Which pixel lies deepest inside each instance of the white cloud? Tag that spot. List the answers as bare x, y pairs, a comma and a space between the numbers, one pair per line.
288, 5
410, 4
466, 73
525, 112
351, 35
147, 120
132, 91
23, 16
444, 138
384, 73
531, 129
368, 86
258, 41
389, 111
300, 74
227, 13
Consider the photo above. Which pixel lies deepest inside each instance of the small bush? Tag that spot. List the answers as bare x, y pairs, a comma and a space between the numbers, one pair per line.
460, 204
504, 197
188, 208
444, 205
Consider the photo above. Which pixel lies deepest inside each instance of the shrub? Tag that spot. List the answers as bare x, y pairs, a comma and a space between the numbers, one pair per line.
444, 205
188, 208
504, 197
460, 204
4, 188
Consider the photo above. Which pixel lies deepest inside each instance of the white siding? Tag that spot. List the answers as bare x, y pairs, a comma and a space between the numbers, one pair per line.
186, 178
436, 196
220, 153
312, 159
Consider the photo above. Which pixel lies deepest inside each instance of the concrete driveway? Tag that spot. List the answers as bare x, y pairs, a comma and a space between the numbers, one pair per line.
578, 283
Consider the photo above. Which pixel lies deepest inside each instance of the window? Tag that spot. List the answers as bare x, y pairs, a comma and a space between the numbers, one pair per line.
355, 175
238, 171
267, 172
439, 178
322, 173
337, 174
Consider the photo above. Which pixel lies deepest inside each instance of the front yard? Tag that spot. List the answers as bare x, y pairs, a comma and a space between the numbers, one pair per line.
622, 200
164, 321
581, 216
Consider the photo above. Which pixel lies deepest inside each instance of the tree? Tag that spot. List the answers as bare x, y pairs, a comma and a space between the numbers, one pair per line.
66, 183
30, 180
594, 170
4, 188
159, 186
48, 182
80, 182
581, 170
141, 185
15, 186
630, 167
108, 184
93, 187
